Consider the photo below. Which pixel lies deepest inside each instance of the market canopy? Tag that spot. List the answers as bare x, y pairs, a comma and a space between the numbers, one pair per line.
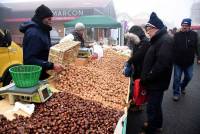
94, 21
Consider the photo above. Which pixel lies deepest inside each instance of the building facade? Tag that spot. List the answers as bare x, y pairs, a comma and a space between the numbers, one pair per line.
195, 13
63, 11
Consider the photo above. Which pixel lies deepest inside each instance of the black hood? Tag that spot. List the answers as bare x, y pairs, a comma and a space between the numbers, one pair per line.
137, 30
24, 26
41, 13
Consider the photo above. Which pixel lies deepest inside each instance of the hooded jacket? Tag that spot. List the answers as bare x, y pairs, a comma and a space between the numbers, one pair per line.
140, 44
78, 37
157, 66
36, 46
185, 47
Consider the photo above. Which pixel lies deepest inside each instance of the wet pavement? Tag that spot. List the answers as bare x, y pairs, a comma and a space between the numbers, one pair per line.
182, 117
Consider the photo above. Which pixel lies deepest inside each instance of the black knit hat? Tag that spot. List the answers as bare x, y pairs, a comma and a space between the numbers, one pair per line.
154, 21
42, 12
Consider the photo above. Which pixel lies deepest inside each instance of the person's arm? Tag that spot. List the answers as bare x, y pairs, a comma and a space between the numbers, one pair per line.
198, 48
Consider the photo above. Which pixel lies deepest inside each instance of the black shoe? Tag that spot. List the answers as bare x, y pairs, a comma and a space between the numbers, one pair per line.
183, 91
176, 98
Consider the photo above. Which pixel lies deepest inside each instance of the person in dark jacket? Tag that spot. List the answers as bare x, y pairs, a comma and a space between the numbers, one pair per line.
76, 35
156, 72
36, 41
185, 47
139, 49
139, 44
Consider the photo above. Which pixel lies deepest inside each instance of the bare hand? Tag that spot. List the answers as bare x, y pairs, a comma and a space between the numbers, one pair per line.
57, 68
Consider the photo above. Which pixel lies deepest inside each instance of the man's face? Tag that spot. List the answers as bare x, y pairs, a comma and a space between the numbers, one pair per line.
185, 27
47, 21
81, 32
151, 31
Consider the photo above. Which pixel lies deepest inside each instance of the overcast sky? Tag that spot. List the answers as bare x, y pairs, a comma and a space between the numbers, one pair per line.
167, 10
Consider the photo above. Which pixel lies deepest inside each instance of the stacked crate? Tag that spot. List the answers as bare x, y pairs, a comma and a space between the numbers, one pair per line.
64, 53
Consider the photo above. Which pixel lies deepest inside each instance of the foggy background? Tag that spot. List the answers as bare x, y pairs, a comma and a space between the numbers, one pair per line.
170, 11
127, 12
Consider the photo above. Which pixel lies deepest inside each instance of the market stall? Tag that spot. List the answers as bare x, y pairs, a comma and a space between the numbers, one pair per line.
91, 100
98, 27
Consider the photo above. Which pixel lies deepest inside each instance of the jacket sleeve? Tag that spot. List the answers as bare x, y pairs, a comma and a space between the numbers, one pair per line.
162, 63
198, 47
32, 50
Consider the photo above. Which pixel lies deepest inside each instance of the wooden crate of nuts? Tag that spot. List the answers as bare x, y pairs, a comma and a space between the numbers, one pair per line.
64, 53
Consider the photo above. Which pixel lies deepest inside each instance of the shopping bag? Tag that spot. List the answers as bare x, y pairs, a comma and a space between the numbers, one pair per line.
139, 94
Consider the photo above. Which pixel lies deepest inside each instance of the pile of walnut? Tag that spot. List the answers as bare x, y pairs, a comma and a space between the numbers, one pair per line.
100, 81
64, 113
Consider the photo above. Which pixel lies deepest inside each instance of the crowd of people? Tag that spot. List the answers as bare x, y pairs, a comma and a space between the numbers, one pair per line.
153, 59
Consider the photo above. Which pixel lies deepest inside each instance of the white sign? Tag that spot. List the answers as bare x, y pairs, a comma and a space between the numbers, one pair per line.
68, 12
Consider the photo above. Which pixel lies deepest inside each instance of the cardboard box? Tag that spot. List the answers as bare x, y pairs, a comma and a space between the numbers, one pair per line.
64, 53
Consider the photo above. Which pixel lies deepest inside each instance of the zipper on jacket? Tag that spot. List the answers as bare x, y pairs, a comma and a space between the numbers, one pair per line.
186, 40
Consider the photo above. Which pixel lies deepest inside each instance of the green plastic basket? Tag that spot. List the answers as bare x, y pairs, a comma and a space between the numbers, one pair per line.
25, 75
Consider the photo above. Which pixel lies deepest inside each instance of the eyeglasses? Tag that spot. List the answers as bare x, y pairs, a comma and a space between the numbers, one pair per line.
149, 28
185, 26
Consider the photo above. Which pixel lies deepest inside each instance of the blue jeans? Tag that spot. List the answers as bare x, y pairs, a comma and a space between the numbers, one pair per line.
154, 111
178, 84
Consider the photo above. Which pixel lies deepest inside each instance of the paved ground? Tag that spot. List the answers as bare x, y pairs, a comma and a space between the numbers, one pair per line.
182, 117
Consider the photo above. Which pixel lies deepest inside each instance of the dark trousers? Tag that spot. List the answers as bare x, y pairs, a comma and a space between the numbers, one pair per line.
154, 111
131, 89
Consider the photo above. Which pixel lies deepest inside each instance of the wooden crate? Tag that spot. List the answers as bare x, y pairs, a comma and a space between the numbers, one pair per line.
64, 53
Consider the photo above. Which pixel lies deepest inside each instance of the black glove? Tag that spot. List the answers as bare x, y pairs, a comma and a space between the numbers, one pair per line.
128, 70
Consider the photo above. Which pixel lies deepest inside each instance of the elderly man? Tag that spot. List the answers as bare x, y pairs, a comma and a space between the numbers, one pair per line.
156, 72
36, 42
184, 52
76, 35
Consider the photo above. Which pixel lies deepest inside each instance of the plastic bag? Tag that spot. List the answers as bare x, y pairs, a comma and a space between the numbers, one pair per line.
98, 50
69, 37
28, 108
121, 125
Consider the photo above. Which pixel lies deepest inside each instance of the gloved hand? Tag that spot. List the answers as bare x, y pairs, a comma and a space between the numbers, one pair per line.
127, 70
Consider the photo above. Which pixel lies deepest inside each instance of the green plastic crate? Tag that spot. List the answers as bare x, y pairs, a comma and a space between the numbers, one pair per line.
25, 75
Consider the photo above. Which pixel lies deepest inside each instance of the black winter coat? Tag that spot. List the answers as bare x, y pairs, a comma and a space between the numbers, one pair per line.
137, 57
185, 46
78, 37
157, 66
36, 46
